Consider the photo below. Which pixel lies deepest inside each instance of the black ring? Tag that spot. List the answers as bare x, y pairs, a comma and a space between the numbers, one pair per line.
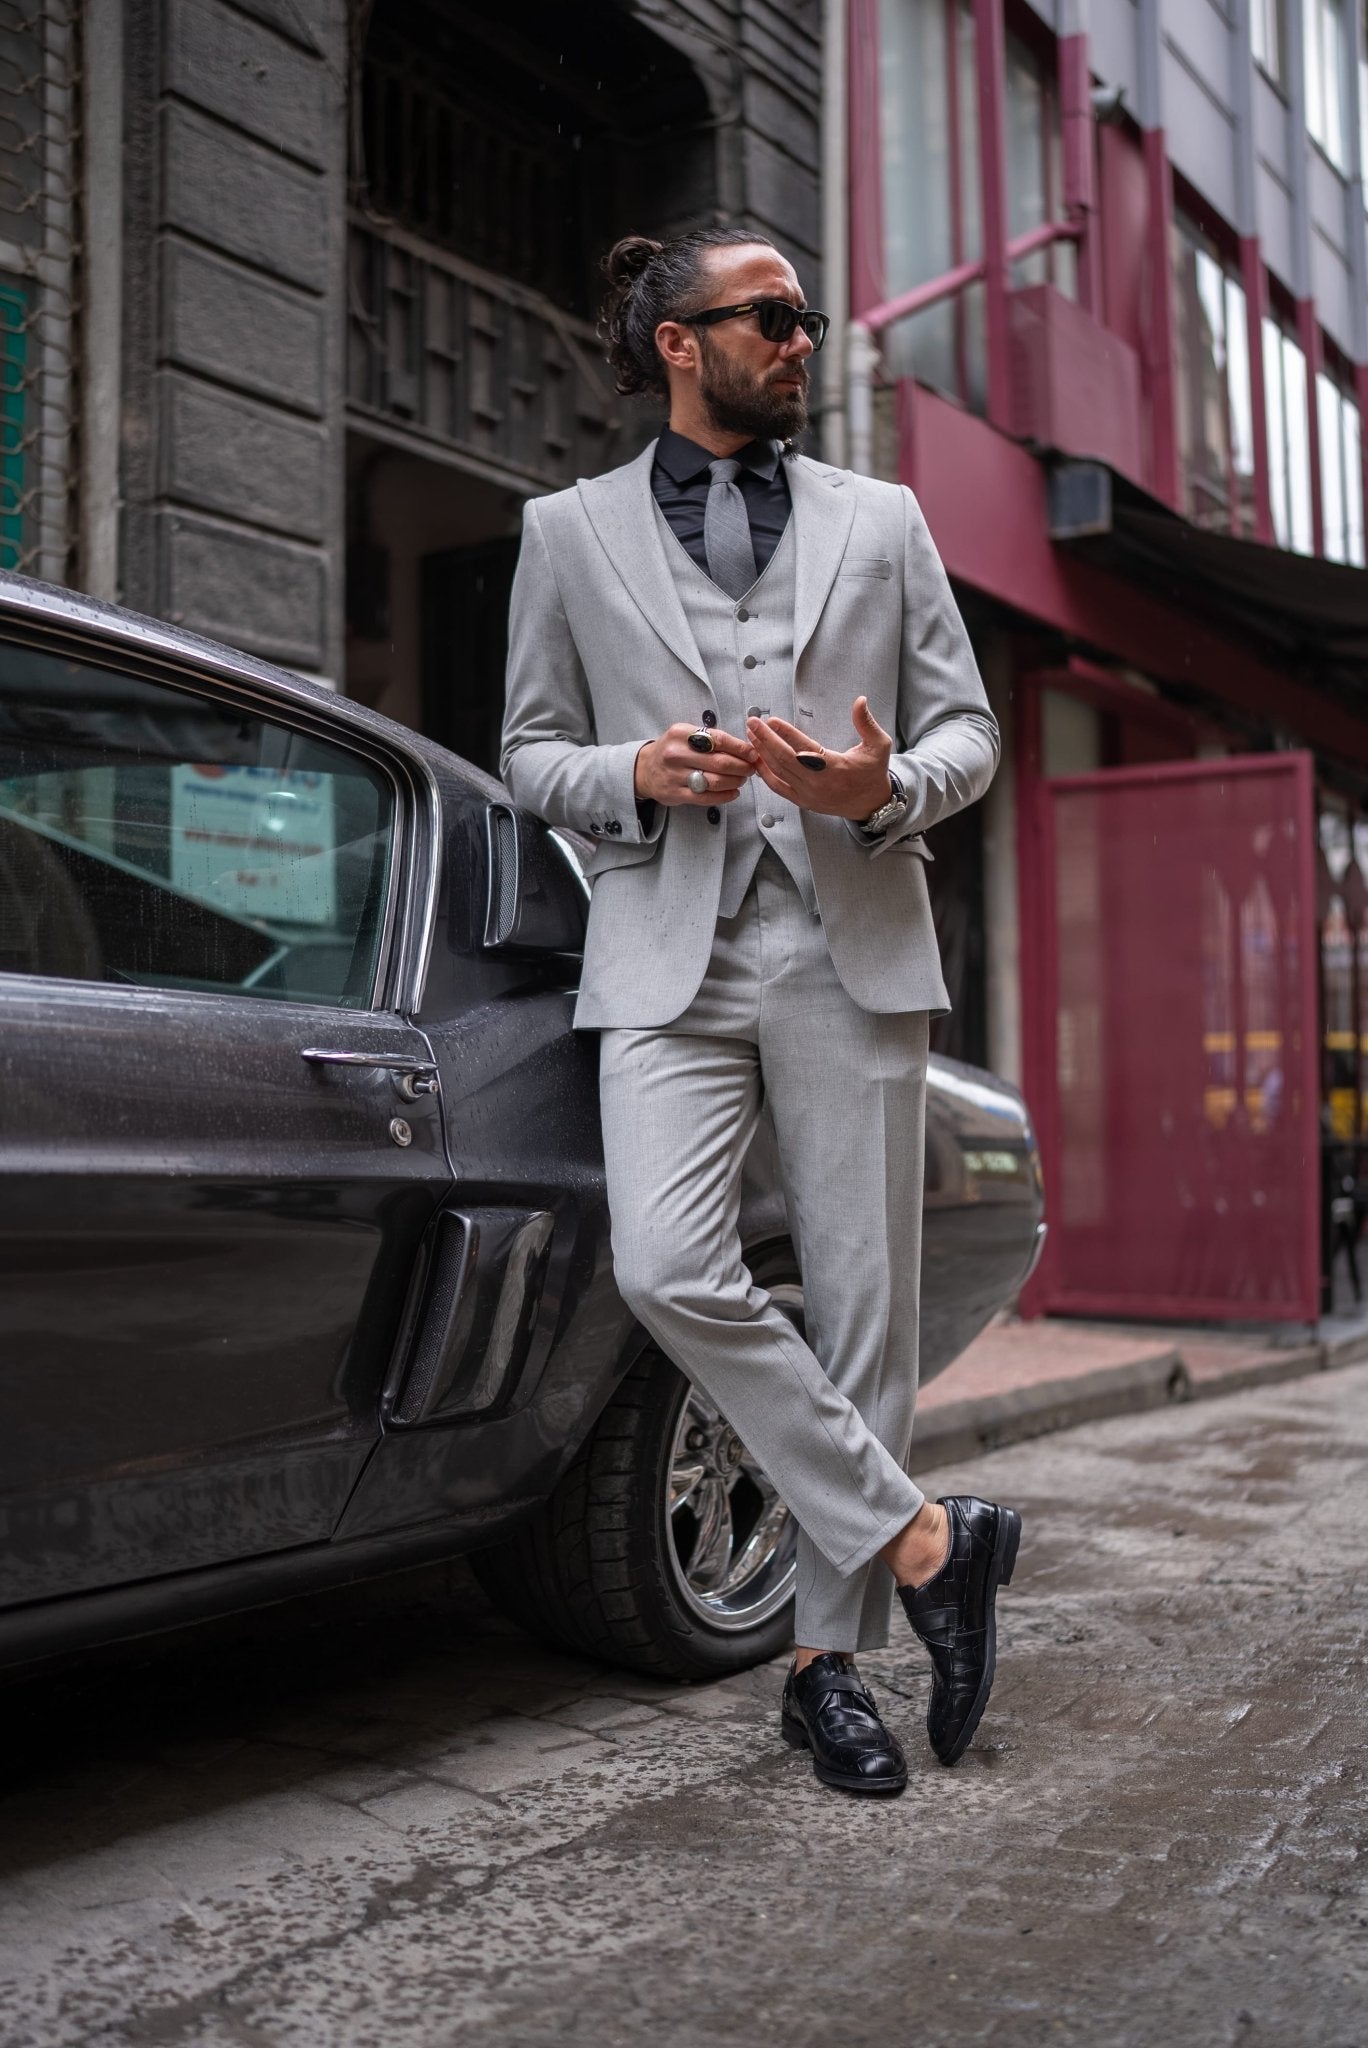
701, 741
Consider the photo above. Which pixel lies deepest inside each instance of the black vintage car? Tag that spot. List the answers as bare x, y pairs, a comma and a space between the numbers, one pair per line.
304, 1261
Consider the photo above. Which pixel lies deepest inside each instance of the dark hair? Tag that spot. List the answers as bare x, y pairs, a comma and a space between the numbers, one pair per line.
653, 281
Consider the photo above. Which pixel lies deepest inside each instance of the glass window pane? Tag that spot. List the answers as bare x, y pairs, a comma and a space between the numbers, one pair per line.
1269, 30
1298, 446
1241, 405
1203, 408
915, 113
1026, 206
1331, 460
1335, 67
1315, 79
1352, 427
159, 839
1277, 432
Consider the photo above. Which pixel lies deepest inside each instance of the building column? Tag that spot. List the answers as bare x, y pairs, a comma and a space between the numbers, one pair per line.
102, 298
234, 323
991, 49
1308, 331
1002, 926
1159, 359
1253, 270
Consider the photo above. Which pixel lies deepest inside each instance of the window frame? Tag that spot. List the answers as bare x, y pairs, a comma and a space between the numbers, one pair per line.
1272, 62
1192, 227
1283, 323
409, 910
1331, 84
1336, 374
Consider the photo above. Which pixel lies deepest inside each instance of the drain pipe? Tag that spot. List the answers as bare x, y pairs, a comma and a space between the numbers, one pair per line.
835, 228
862, 359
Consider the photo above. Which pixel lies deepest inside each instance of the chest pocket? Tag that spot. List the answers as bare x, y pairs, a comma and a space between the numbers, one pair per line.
867, 565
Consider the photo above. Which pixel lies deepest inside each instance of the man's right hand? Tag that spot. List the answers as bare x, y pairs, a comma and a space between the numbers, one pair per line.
663, 767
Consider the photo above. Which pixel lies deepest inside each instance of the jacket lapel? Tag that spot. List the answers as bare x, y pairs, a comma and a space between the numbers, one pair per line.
823, 514
621, 510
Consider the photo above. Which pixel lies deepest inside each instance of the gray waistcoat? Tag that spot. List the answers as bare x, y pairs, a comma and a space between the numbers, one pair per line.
757, 630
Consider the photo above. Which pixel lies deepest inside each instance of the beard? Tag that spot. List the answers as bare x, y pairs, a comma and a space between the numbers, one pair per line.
741, 403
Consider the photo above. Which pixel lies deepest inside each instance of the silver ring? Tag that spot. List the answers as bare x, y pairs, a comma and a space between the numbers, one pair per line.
698, 782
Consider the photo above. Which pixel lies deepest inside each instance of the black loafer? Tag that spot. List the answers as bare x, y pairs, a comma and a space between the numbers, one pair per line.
828, 1709
955, 1618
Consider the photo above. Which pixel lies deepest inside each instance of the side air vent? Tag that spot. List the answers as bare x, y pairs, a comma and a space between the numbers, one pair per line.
504, 876
536, 901
478, 1315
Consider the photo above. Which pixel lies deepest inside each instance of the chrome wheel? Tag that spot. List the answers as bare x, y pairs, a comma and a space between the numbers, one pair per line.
730, 1539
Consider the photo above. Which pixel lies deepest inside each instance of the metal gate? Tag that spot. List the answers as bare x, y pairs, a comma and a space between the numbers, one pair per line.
1179, 1099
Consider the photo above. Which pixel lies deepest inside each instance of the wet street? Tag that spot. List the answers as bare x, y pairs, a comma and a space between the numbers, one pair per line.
390, 1822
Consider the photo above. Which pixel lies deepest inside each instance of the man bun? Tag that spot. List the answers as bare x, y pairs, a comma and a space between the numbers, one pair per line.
627, 259
651, 281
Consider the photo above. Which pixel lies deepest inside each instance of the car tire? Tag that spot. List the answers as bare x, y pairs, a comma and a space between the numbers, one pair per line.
619, 1565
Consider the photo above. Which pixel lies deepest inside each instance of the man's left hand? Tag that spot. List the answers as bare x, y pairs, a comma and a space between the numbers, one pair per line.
850, 785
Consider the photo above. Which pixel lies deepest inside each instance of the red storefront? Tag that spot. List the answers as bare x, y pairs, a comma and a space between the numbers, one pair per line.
1141, 458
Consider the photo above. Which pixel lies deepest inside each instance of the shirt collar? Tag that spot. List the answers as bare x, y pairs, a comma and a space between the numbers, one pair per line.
683, 459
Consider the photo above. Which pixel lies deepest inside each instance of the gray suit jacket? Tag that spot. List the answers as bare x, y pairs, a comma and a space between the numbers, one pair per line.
601, 660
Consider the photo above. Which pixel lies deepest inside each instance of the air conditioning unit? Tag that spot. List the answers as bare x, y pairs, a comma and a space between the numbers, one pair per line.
1075, 385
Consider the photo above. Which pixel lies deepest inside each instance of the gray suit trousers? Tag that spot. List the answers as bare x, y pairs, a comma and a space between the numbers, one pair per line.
830, 1419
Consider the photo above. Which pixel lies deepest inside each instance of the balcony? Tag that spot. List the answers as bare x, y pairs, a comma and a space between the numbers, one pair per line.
1075, 387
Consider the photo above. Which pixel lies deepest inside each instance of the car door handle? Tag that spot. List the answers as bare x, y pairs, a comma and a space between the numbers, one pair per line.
416, 1077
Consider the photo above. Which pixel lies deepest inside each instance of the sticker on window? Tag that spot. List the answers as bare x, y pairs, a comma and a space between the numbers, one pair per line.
255, 842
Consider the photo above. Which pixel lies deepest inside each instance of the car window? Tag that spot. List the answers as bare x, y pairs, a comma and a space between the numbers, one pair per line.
157, 838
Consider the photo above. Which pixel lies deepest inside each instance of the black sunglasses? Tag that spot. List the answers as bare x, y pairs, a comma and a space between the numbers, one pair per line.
777, 319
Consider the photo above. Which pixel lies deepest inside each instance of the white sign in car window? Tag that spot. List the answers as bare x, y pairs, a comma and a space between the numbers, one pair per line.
255, 842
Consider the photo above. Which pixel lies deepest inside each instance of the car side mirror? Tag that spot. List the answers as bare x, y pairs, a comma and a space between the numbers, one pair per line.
538, 899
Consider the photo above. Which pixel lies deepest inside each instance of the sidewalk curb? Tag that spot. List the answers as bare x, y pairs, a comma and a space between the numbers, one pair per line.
965, 1429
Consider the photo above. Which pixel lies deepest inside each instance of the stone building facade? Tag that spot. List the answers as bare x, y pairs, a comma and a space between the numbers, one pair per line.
337, 268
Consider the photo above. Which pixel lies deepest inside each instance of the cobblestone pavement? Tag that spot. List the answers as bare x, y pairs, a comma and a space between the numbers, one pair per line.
392, 1822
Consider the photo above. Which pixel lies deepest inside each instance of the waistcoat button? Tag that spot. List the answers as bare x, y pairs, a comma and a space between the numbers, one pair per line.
742, 613
754, 711
709, 718
768, 819
749, 661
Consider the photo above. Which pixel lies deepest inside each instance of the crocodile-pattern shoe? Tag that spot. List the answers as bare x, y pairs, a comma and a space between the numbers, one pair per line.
829, 1710
954, 1616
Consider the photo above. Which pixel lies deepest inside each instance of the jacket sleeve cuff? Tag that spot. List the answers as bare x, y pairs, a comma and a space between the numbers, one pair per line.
617, 814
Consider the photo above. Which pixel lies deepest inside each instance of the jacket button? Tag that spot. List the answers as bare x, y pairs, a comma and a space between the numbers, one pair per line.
749, 661
709, 718
714, 815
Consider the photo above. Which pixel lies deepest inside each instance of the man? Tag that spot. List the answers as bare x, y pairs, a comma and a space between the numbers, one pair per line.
686, 637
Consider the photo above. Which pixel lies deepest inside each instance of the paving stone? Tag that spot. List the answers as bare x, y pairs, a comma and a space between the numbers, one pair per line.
235, 1841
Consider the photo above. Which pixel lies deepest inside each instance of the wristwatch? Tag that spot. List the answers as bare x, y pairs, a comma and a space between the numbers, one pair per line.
878, 822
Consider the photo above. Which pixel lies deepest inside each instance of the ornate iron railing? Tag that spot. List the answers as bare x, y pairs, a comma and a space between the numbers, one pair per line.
440, 351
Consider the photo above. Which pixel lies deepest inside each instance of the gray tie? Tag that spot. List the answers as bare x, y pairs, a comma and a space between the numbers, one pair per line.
726, 530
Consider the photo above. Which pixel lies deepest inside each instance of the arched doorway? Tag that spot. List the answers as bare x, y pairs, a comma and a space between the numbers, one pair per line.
495, 154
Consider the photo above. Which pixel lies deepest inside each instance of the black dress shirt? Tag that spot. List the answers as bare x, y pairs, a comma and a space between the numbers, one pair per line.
680, 479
